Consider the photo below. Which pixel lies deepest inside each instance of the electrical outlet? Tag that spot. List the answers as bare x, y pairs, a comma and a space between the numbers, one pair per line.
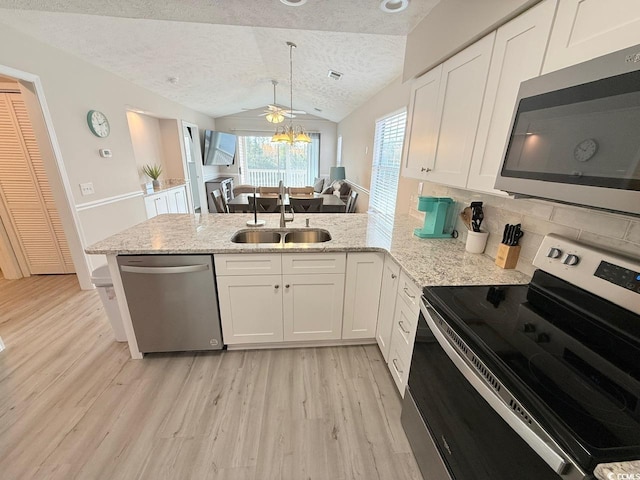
87, 188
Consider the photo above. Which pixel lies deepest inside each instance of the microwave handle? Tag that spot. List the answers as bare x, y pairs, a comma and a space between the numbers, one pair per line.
547, 452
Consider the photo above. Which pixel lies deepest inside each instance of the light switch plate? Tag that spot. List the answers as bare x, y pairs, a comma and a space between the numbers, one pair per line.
87, 188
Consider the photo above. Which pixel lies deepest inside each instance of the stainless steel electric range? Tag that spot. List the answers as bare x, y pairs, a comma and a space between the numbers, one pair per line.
529, 382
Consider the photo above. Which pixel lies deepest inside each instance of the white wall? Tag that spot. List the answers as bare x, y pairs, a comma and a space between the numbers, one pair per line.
72, 87
249, 122
146, 140
451, 26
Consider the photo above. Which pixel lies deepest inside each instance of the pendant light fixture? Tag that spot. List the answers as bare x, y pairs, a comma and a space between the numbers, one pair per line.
289, 133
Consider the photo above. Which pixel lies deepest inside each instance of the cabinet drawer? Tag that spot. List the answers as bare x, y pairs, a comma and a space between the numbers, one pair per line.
405, 323
409, 292
248, 264
295, 263
399, 363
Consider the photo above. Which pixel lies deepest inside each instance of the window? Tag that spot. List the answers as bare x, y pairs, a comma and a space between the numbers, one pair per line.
387, 153
264, 164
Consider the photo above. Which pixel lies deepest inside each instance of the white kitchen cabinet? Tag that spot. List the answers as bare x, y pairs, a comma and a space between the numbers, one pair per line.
177, 199
250, 308
462, 86
271, 298
585, 29
156, 204
313, 306
422, 125
173, 200
518, 54
442, 127
386, 310
362, 294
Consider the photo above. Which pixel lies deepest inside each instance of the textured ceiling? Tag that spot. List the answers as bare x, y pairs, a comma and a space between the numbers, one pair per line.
225, 68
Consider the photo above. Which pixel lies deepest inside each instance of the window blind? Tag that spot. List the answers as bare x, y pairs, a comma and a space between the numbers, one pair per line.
387, 155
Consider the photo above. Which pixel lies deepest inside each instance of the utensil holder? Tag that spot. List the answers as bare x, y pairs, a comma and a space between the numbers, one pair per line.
507, 256
476, 241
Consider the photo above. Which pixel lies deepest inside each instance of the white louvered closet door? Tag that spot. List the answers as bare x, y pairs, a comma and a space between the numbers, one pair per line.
26, 203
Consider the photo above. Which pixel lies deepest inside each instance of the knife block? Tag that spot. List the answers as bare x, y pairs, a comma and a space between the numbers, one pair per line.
507, 256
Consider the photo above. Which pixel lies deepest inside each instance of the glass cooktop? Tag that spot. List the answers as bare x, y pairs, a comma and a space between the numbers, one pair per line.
572, 358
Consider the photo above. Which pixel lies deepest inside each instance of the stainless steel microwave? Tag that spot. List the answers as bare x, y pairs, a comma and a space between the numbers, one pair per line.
575, 135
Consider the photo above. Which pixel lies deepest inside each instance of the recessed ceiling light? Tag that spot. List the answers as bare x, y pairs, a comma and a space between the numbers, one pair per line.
392, 6
294, 3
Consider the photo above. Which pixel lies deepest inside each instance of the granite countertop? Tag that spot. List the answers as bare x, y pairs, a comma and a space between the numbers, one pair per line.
427, 262
618, 471
166, 185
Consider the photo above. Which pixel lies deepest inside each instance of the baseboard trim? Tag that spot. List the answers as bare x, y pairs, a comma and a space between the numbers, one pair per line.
106, 201
307, 344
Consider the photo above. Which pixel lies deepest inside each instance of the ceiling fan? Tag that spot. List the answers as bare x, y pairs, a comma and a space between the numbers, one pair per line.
275, 113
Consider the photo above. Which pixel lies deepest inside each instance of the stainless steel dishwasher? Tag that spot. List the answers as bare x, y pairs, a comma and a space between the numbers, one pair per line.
173, 302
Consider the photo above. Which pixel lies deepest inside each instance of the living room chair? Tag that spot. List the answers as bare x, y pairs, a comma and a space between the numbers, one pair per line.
351, 203
265, 204
301, 191
306, 205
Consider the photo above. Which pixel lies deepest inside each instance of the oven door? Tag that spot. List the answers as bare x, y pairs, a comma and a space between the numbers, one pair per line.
474, 434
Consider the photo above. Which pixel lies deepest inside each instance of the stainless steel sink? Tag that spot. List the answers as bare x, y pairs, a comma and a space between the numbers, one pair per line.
312, 235
307, 235
256, 236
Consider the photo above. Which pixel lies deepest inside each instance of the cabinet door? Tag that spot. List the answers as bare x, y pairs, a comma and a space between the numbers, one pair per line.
585, 29
250, 308
387, 305
462, 85
422, 126
156, 204
517, 56
150, 206
180, 199
362, 294
313, 306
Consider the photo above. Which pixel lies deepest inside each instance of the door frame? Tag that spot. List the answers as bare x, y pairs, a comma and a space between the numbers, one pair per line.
60, 183
202, 191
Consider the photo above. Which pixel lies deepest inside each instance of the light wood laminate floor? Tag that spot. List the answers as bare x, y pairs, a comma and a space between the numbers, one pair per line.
73, 405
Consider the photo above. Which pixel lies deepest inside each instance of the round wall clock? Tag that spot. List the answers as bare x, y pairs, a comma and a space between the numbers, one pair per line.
585, 150
98, 123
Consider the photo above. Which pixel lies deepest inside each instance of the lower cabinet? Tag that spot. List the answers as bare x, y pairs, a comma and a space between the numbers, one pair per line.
296, 304
362, 294
173, 200
250, 308
388, 293
313, 306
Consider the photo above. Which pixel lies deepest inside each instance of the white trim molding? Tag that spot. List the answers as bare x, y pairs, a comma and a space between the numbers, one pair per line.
106, 201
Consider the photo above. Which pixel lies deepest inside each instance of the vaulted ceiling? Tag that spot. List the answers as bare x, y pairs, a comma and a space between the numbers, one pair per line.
224, 53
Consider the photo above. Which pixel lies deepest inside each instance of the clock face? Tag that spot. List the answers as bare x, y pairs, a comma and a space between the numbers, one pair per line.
98, 123
585, 150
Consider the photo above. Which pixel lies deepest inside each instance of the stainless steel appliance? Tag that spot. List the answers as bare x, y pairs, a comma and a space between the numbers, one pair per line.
173, 302
529, 382
574, 135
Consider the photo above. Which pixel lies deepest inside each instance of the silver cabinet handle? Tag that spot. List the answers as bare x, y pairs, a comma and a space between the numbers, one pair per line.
423, 169
394, 276
406, 292
165, 270
395, 365
401, 324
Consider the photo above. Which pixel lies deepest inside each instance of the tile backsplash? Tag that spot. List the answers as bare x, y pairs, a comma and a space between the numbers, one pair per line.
611, 231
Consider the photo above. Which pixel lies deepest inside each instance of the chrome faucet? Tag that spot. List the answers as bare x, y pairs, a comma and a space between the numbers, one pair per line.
283, 219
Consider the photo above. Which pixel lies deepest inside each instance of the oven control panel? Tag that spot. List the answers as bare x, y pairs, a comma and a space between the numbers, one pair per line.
606, 274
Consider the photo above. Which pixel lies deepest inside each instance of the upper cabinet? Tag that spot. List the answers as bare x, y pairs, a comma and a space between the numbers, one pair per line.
585, 29
463, 146
517, 56
443, 116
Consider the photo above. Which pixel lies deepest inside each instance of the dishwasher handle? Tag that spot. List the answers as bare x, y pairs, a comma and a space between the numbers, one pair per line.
165, 270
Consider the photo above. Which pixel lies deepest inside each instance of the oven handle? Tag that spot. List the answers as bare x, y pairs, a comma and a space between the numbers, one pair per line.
547, 452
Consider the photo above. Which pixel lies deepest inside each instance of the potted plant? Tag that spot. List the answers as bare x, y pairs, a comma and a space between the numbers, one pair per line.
153, 172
